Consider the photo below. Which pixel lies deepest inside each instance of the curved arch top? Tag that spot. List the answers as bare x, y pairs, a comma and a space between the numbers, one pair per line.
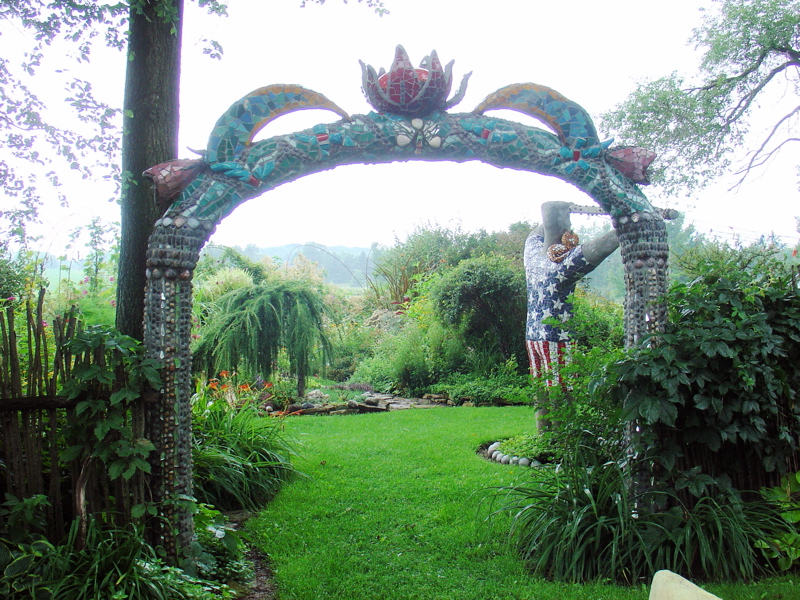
239, 170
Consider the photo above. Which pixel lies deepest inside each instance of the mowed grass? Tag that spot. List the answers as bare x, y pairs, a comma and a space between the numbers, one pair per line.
391, 508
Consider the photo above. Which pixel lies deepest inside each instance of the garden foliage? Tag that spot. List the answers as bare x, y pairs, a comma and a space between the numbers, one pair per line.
716, 397
254, 323
580, 522
241, 458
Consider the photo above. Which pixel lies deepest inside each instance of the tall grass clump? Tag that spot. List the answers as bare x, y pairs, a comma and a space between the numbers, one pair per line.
583, 522
241, 458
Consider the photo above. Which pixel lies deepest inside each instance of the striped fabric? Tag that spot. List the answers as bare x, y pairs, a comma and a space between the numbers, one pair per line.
546, 359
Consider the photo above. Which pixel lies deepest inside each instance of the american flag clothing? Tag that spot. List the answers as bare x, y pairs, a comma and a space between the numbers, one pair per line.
549, 286
547, 358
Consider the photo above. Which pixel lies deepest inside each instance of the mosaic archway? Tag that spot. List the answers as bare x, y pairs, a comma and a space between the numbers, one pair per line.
411, 122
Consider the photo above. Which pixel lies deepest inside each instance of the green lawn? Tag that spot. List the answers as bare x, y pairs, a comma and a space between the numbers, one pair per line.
391, 509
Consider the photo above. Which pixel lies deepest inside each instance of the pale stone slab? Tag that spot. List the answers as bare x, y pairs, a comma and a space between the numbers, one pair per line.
669, 586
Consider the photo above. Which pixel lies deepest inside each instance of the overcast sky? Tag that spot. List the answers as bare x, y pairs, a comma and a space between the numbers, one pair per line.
592, 52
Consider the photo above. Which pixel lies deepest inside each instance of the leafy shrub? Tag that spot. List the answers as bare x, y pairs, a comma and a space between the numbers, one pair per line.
95, 562
584, 411
719, 390
220, 548
23, 550
786, 549
410, 360
596, 321
504, 385
582, 522
531, 445
485, 297
241, 458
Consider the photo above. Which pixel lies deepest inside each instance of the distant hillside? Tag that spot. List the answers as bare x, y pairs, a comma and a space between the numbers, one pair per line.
343, 265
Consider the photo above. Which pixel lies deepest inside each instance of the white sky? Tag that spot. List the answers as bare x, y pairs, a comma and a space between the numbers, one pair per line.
592, 52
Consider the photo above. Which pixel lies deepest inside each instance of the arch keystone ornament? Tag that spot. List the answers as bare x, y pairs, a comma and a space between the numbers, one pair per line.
411, 122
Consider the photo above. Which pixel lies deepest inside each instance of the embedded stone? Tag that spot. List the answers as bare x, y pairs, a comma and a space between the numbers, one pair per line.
435, 142
670, 586
166, 221
506, 459
403, 140
193, 223
524, 462
514, 460
492, 448
417, 123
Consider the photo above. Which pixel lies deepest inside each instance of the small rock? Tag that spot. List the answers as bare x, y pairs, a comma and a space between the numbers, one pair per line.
371, 401
352, 403
536, 464
506, 459
514, 460
493, 447
524, 462
293, 408
494, 454
468, 403
305, 405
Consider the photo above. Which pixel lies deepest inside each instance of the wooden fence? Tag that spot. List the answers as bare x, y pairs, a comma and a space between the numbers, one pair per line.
34, 363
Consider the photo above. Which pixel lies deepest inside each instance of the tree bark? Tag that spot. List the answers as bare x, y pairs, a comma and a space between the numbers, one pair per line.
150, 136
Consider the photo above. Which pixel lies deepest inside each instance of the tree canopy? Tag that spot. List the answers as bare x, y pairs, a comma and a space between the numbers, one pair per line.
750, 57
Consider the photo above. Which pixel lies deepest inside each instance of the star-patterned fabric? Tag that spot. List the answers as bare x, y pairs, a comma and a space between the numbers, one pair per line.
549, 286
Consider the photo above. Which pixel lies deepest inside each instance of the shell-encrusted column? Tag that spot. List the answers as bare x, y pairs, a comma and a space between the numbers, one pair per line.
172, 256
644, 250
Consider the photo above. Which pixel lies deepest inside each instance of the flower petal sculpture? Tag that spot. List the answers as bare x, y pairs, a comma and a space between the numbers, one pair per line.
411, 92
632, 162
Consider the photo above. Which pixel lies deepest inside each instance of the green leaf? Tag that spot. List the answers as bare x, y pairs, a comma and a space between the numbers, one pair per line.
72, 453
650, 409
19, 566
115, 469
125, 394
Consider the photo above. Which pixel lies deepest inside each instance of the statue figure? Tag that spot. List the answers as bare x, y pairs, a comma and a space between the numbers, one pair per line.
554, 262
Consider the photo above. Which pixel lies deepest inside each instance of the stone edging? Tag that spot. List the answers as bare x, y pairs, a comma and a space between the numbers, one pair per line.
492, 453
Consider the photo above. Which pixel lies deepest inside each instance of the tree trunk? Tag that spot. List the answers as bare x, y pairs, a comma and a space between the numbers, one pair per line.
150, 136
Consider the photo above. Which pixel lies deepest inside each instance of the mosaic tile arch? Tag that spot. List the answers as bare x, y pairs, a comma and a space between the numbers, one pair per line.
410, 122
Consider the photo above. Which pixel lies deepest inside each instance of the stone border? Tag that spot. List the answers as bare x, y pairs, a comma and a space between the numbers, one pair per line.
492, 453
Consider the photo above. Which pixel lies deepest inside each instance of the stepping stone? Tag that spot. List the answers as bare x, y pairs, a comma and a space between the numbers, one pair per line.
670, 586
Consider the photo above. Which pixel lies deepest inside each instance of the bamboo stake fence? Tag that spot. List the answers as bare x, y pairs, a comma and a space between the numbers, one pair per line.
34, 363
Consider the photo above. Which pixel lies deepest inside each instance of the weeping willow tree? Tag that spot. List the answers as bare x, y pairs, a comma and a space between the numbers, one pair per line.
253, 324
